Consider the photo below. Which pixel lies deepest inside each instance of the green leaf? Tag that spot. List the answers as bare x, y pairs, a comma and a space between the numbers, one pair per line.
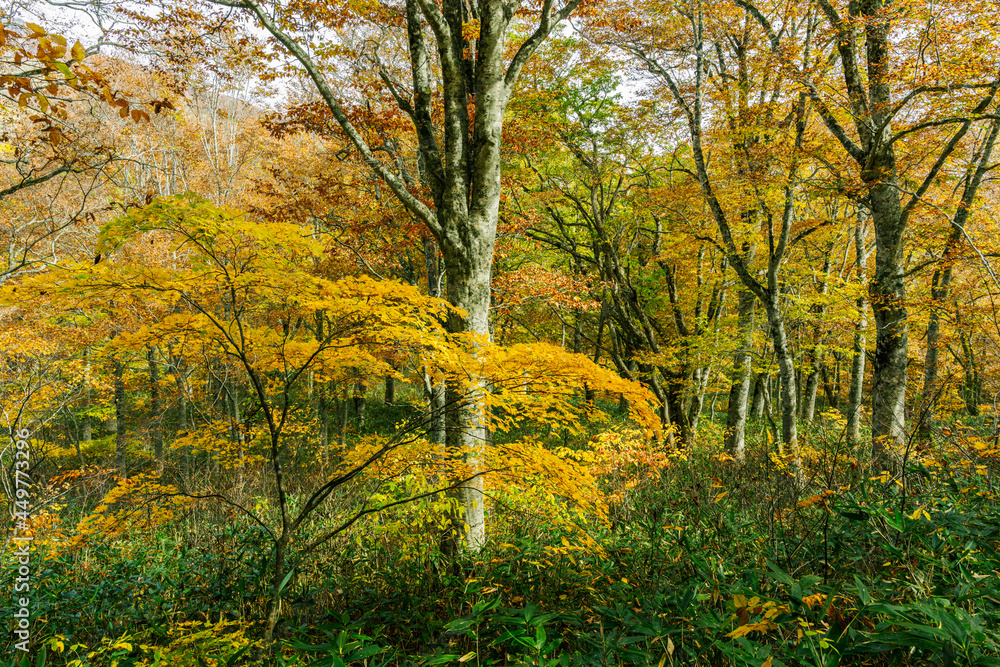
779, 574
863, 594
61, 66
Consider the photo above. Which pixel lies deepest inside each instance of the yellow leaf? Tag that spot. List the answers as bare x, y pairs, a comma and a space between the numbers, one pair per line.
468, 656
78, 52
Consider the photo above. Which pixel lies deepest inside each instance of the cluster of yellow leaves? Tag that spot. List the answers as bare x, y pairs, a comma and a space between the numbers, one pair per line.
214, 439
961, 450
744, 609
139, 503
755, 614
538, 383
192, 644
199, 643
819, 500
625, 462
528, 463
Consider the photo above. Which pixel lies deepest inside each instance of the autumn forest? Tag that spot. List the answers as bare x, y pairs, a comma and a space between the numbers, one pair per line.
500, 332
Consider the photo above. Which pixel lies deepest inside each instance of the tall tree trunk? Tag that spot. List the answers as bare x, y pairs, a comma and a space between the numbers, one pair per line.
459, 162
734, 439
699, 384
759, 396
809, 395
155, 416
887, 294
831, 387
87, 426
434, 391
360, 403
390, 390
972, 386
672, 399
465, 437
855, 398
323, 413
345, 410
786, 374
120, 444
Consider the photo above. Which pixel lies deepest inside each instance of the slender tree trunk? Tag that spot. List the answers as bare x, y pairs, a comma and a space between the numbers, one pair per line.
323, 413
759, 396
854, 398
809, 395
344, 412
155, 416
390, 390
274, 604
120, 444
786, 374
87, 426
360, 403
736, 417
699, 384
831, 390
972, 387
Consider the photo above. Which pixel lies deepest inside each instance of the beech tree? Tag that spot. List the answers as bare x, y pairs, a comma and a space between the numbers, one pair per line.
463, 70
891, 106
694, 55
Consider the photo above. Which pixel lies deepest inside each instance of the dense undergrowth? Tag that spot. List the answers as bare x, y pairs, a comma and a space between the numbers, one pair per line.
698, 560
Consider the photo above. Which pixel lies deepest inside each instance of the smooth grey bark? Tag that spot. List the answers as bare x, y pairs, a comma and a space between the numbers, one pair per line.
786, 374
434, 391
810, 392
734, 439
699, 383
854, 398
941, 279
813, 354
